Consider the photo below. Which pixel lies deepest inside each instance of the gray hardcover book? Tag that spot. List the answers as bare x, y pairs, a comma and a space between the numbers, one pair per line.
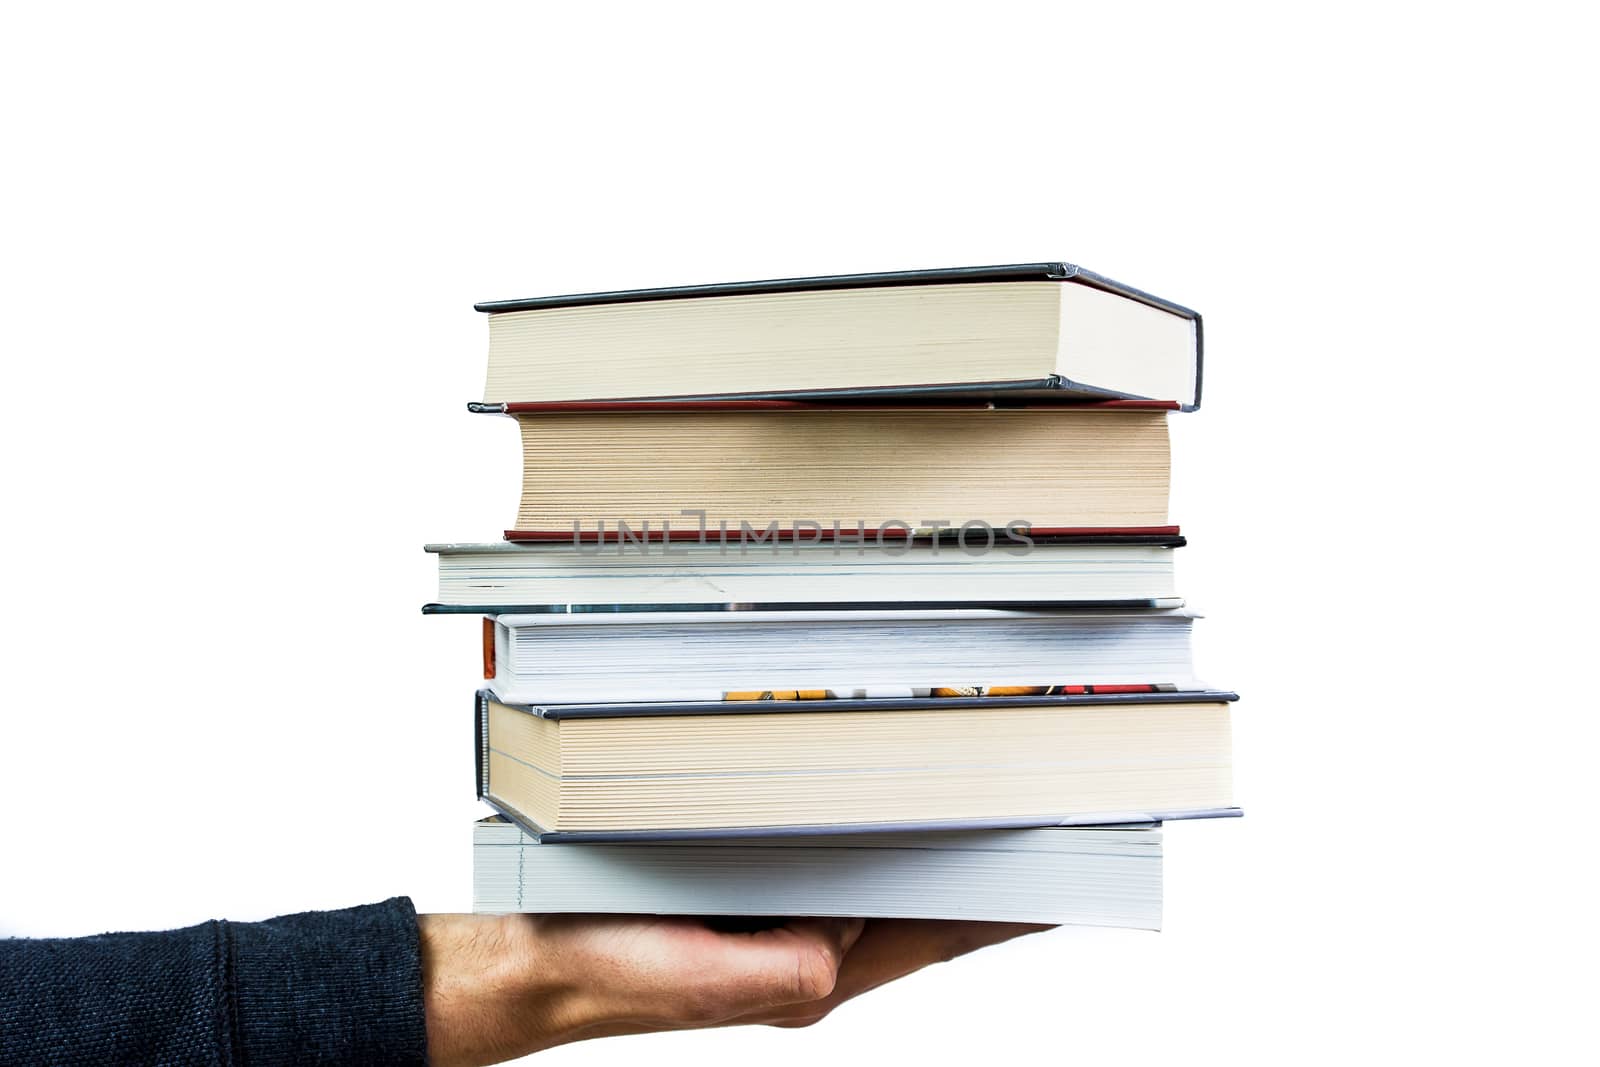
1092, 877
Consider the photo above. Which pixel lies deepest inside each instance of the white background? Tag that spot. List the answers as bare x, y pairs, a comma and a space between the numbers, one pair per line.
240, 253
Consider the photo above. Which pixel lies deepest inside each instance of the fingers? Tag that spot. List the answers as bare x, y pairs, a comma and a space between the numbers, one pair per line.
893, 948
919, 942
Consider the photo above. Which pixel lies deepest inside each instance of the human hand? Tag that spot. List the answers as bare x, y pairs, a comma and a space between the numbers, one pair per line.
498, 987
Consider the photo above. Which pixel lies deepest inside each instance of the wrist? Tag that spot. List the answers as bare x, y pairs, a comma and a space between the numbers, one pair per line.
492, 990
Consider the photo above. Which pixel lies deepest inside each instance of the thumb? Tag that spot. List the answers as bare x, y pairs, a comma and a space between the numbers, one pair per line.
791, 964
840, 935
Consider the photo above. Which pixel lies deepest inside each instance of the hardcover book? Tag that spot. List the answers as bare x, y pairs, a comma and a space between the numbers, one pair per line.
722, 768
595, 657
1034, 331
736, 473
565, 575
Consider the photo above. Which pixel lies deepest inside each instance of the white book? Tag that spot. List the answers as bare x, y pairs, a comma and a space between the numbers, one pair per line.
666, 656
503, 577
1090, 877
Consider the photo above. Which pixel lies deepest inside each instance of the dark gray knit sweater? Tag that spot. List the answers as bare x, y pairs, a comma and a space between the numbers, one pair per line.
322, 987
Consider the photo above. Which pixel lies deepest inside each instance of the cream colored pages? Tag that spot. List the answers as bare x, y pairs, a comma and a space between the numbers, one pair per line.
799, 769
1044, 467
772, 342
881, 740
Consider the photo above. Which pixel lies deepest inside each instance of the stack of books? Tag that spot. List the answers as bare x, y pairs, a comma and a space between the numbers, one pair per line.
839, 596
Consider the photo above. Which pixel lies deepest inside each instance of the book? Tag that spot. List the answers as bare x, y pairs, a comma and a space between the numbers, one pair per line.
649, 770
565, 575
1047, 331
990, 475
600, 657
1090, 877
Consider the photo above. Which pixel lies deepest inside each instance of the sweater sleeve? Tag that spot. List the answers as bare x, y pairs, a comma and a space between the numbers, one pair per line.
320, 987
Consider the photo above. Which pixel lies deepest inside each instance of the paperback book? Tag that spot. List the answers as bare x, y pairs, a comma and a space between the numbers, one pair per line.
1089, 877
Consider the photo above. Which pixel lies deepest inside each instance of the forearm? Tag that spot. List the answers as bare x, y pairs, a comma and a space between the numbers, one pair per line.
322, 987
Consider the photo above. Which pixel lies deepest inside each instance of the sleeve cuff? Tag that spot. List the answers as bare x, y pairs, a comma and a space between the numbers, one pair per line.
328, 987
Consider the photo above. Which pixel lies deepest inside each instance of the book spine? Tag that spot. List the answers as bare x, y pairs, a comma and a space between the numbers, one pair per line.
480, 743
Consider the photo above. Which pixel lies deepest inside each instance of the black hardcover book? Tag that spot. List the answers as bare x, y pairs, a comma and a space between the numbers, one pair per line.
1019, 333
